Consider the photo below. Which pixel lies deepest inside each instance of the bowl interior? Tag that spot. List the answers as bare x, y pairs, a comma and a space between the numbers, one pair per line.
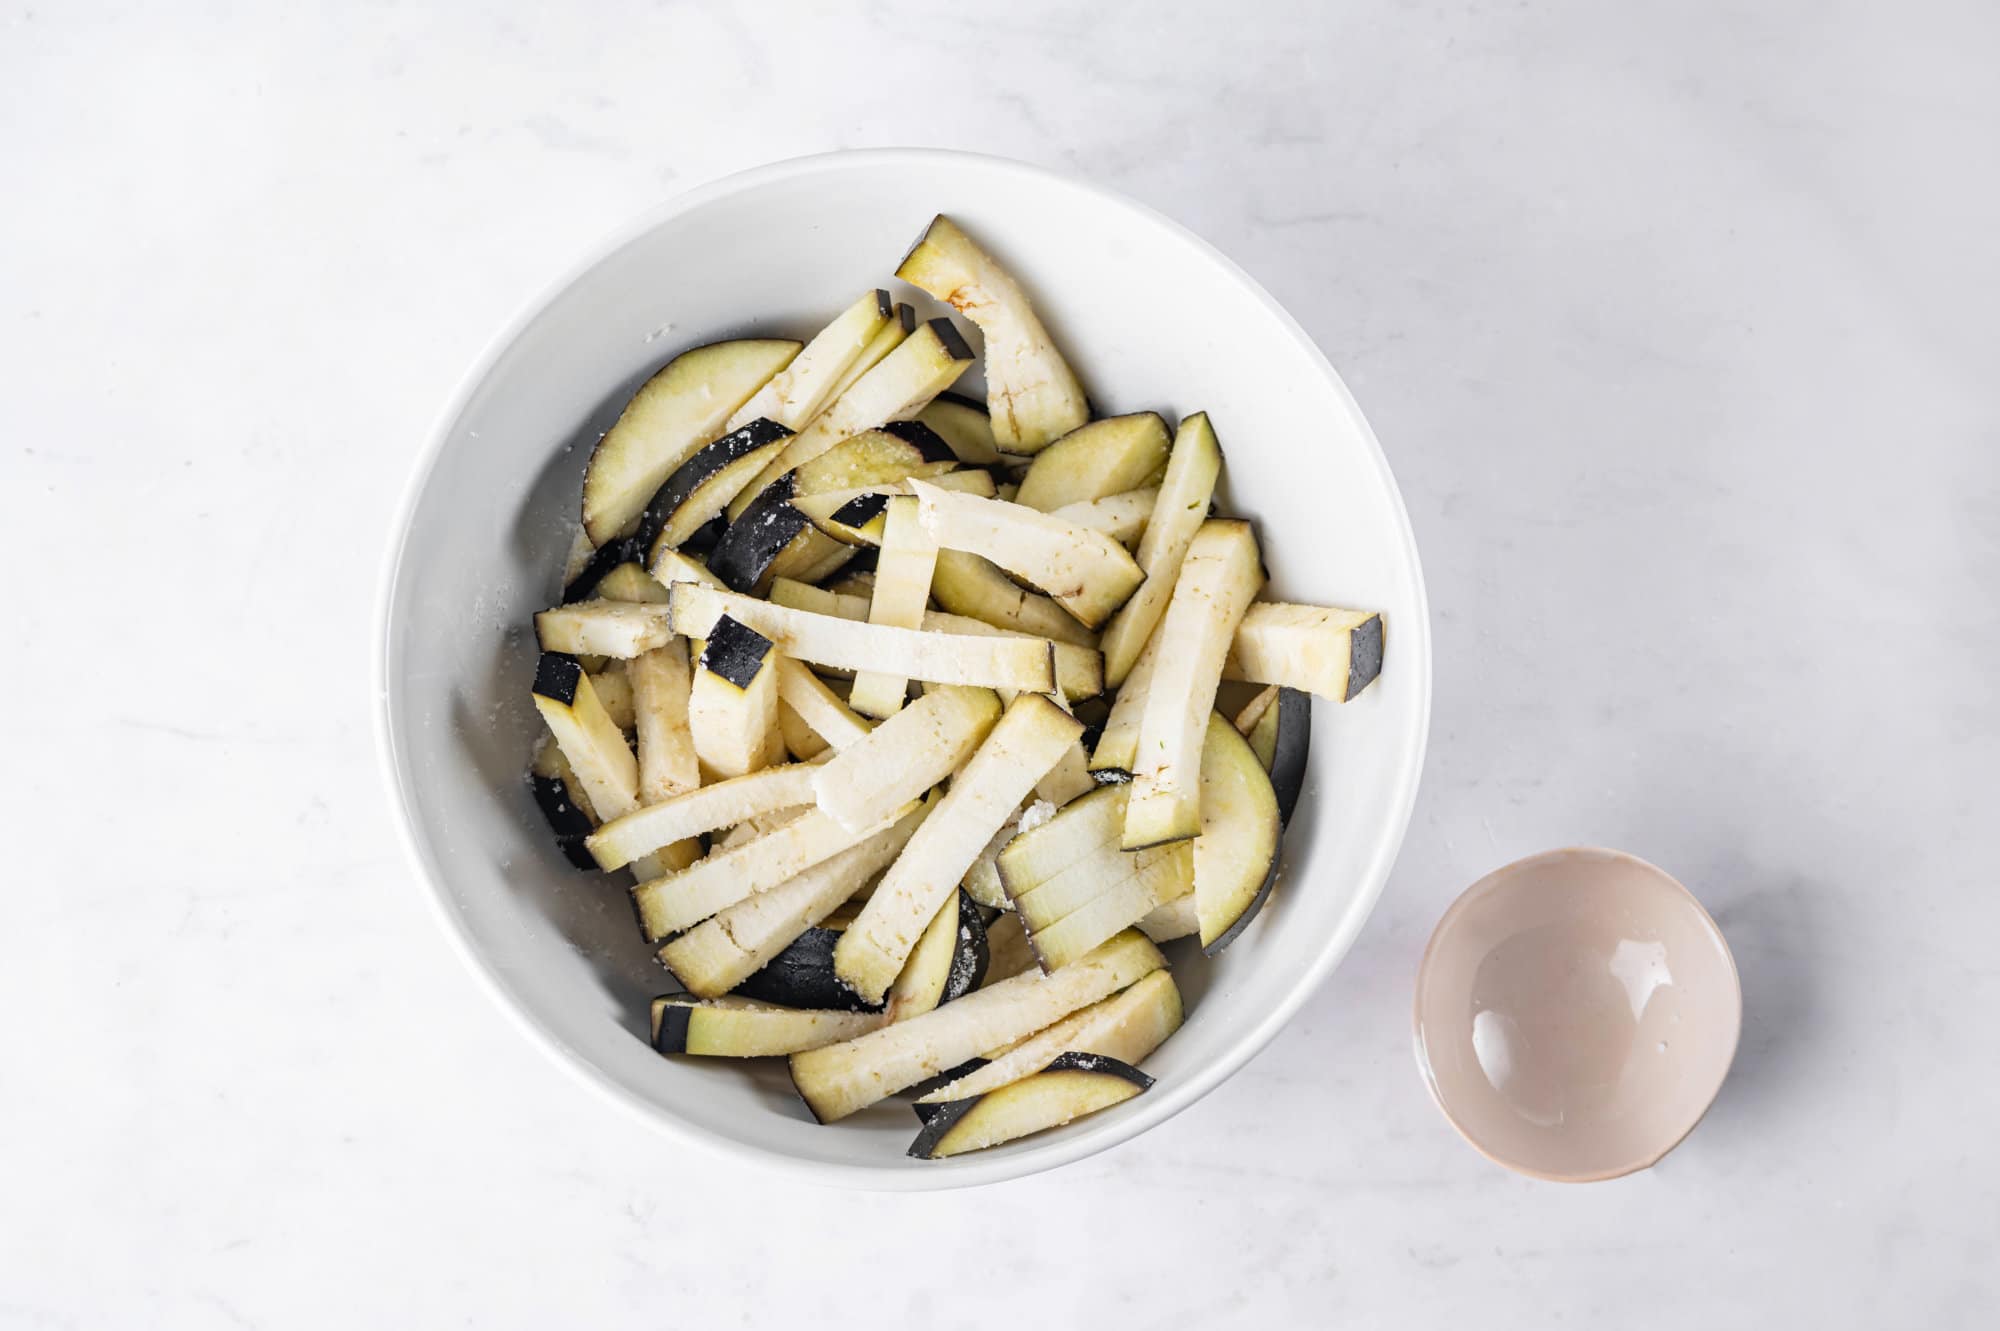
1151, 318
1576, 1014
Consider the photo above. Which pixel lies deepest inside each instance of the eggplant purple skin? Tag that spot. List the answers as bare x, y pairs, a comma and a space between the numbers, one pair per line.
762, 532
860, 510
607, 557
1364, 656
951, 339
670, 1025
569, 823
691, 475
802, 976
735, 651
941, 1119
945, 1078
971, 955
1288, 779
930, 445
706, 537
557, 675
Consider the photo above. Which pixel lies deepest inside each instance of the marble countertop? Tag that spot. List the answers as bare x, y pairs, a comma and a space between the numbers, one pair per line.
1677, 326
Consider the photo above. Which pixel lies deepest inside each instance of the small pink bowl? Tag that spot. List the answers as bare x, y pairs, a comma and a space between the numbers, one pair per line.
1576, 1014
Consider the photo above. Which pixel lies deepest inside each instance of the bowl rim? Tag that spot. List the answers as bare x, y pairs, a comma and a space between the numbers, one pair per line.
1454, 912
1145, 1112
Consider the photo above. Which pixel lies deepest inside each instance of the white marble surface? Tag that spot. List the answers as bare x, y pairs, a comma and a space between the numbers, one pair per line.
1677, 324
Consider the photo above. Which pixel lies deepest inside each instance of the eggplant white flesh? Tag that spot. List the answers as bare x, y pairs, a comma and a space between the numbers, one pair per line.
902, 593
721, 952
965, 584
1122, 517
922, 366
1316, 649
1007, 950
614, 690
905, 756
581, 553
702, 487
662, 682
948, 961
1236, 855
1162, 874
1072, 1086
802, 389
1095, 460
892, 335
965, 426
1178, 513
1069, 777
720, 879
982, 879
1219, 576
1077, 832
840, 1079
630, 581
586, 583
707, 809
936, 658
671, 566
733, 702
1246, 720
1127, 1026
895, 452
677, 411
549, 778
802, 742
616, 629
593, 745
1085, 572
1032, 395
855, 517
1175, 919
1026, 741
740, 1028
818, 706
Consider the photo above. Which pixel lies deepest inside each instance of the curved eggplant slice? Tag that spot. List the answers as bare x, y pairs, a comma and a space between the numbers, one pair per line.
549, 778
802, 976
1089, 574
968, 585
964, 425
677, 411
896, 451
802, 389
702, 487
1072, 1086
1127, 1026
733, 1028
1281, 741
948, 961
1236, 855
706, 537
584, 586
1102, 458
747, 556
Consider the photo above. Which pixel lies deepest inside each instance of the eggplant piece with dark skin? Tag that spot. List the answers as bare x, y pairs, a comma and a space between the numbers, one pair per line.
747, 555
802, 976
733, 1028
1290, 721
549, 778
584, 585
702, 486
1072, 1086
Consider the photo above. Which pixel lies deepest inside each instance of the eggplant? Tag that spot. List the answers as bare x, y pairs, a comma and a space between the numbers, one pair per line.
765, 533
894, 452
964, 425
1317, 649
828, 640
839, 1079
802, 976
1217, 579
1236, 855
948, 961
1069, 1088
1032, 396
734, 1028
584, 585
662, 684
802, 389
1027, 739
682, 900
614, 690
902, 594
905, 756
1282, 741
672, 566
702, 487
733, 702
1184, 498
1008, 953
817, 706
721, 952
593, 746
1095, 460
1089, 911
1176, 919
1122, 517
968, 585
891, 335
619, 630
709, 809
677, 411
1127, 1026
1086, 572
565, 812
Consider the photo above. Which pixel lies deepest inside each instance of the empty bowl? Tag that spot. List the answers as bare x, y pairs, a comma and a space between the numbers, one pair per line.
1151, 318
1576, 1014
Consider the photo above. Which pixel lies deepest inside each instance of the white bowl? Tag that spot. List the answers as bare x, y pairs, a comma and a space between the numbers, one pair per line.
1151, 317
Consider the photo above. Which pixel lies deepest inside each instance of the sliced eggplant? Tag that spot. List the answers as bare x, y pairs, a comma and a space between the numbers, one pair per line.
706, 537
1127, 1026
721, 952
801, 740
1071, 1087
1070, 777
968, 585
702, 487
948, 961
840, 1079
630, 582
1122, 517
803, 976
891, 336
895, 452
677, 411
733, 702
828, 640
818, 706
1086, 572
583, 585
739, 1028
672, 566
921, 367
1018, 750
723, 878
965, 426
564, 811
1178, 513
855, 517
614, 690
1176, 919
1156, 876
1246, 720
661, 682
1095, 460
982, 879
1032, 396
1072, 835
616, 629
802, 389
902, 594
708, 809
581, 553
1236, 856
764, 540
1008, 953
1117, 748
1317, 649
905, 756
594, 747
1221, 573
1281, 741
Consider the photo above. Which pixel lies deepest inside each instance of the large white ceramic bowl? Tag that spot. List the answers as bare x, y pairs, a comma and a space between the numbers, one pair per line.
1151, 317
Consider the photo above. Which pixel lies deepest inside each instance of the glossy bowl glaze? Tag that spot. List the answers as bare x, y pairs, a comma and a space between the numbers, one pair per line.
1576, 1014
1151, 317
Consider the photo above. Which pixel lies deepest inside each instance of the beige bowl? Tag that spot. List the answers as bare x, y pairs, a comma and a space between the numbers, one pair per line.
1576, 1014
